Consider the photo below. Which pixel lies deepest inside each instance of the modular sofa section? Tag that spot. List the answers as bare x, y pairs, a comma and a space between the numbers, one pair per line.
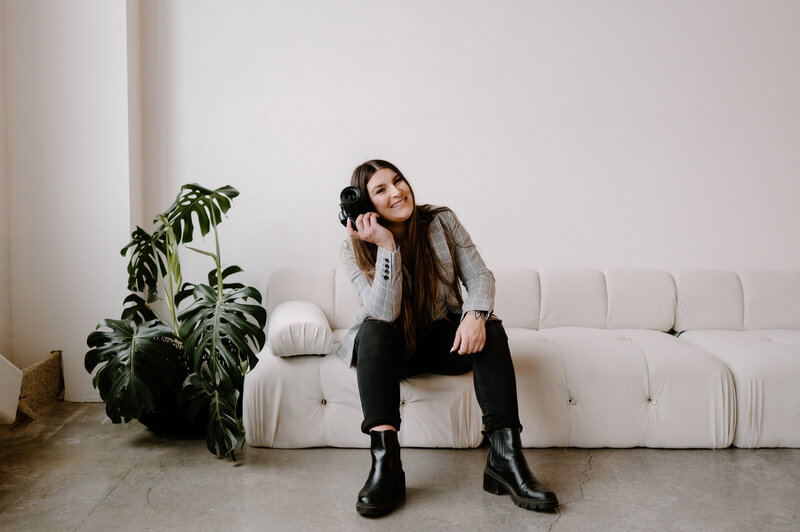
584, 387
313, 401
750, 321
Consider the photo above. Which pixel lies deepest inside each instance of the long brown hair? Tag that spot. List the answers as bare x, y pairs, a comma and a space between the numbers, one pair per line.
421, 271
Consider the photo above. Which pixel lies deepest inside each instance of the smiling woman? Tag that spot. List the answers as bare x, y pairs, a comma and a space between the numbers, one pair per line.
392, 197
406, 262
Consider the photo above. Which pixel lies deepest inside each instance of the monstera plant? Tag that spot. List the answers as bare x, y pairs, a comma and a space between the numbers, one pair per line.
183, 373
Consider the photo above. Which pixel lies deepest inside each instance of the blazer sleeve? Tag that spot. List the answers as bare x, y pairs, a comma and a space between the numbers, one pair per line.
383, 296
473, 272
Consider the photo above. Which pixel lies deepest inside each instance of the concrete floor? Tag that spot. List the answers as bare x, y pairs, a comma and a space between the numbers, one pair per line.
72, 469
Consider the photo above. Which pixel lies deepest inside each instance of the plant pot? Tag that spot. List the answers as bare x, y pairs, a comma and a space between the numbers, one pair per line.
168, 418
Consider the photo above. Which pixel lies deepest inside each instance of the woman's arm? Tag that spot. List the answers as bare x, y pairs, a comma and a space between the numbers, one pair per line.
383, 296
473, 272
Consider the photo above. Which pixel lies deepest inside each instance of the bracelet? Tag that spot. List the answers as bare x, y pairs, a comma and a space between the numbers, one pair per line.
478, 314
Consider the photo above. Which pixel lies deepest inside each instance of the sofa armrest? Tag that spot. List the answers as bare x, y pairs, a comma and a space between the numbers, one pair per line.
299, 328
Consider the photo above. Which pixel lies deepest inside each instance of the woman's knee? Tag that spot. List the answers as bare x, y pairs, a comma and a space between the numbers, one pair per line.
376, 336
495, 332
374, 328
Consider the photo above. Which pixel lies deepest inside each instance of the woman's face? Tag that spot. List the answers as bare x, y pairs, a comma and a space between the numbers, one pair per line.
391, 195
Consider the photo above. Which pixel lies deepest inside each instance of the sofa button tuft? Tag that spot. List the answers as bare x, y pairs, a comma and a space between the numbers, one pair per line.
572, 401
324, 402
403, 402
652, 400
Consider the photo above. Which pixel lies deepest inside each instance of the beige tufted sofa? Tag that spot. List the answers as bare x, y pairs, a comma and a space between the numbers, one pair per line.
617, 358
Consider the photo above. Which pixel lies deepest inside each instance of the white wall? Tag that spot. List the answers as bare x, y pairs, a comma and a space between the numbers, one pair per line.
5, 237
66, 96
134, 63
659, 134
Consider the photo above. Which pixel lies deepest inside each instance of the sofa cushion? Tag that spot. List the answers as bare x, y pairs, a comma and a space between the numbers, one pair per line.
765, 365
314, 402
298, 328
771, 299
572, 298
347, 302
516, 299
588, 387
708, 299
640, 299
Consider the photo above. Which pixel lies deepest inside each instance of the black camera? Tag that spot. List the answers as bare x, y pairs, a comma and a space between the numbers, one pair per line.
352, 204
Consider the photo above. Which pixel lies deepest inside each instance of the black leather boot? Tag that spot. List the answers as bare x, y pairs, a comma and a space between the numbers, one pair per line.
385, 488
508, 472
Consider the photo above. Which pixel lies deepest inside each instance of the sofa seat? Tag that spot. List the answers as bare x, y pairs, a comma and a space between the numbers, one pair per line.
765, 365
750, 321
312, 401
588, 387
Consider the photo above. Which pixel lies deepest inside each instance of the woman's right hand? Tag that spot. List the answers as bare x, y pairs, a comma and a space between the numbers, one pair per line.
368, 229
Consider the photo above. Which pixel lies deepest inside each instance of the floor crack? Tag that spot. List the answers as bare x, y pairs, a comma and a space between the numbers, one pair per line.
585, 473
558, 511
587, 478
144, 455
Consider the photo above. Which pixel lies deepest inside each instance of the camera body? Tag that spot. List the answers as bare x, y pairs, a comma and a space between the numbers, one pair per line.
352, 203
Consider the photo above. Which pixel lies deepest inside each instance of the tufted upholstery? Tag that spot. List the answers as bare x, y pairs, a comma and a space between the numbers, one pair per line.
751, 322
595, 361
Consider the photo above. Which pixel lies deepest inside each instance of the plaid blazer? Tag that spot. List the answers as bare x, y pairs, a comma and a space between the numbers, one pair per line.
381, 298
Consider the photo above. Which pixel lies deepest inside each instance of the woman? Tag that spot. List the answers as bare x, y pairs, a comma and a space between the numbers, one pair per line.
406, 261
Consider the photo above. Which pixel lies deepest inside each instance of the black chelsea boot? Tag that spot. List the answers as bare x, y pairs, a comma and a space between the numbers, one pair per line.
507, 472
385, 488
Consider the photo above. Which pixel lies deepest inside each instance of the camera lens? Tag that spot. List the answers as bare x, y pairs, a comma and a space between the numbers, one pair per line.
350, 195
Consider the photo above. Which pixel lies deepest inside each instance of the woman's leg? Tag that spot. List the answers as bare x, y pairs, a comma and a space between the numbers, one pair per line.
506, 469
496, 389
493, 370
495, 382
378, 354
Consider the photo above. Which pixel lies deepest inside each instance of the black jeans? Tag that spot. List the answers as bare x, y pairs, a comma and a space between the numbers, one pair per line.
380, 364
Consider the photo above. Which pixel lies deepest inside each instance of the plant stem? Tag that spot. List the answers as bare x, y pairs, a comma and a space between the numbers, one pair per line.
170, 289
219, 263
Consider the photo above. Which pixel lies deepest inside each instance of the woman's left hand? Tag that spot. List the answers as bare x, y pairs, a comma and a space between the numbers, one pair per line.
470, 336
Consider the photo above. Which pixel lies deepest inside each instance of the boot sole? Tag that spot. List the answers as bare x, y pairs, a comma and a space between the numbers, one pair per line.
376, 510
498, 486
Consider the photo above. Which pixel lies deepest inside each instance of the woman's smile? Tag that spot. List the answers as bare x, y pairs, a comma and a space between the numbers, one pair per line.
391, 196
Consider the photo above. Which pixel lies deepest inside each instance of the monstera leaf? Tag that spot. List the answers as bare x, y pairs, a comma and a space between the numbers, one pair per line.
138, 311
219, 397
218, 326
205, 204
147, 261
224, 334
135, 365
